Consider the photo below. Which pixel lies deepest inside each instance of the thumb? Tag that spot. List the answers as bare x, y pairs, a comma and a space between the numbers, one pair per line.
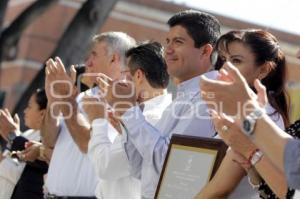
233, 72
224, 76
262, 97
73, 73
17, 119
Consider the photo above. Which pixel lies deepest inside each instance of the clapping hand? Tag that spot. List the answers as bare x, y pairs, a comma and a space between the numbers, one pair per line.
59, 85
8, 123
119, 94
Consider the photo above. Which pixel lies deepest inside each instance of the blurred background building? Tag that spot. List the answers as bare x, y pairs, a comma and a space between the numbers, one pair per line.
142, 19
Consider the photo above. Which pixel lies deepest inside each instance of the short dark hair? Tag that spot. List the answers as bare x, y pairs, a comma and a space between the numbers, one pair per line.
202, 27
148, 57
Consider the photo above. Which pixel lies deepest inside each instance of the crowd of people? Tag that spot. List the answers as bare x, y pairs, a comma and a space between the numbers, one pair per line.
102, 130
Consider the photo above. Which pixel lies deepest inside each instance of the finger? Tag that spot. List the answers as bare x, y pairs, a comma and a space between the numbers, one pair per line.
75, 92
106, 78
52, 67
28, 144
60, 66
73, 73
48, 62
2, 114
209, 85
17, 119
214, 114
224, 76
220, 121
261, 93
102, 84
233, 72
7, 113
47, 71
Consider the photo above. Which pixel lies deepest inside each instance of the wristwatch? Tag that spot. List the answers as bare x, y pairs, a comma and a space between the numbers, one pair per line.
250, 121
256, 157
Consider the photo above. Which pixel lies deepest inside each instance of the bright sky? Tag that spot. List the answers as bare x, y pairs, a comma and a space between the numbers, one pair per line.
279, 14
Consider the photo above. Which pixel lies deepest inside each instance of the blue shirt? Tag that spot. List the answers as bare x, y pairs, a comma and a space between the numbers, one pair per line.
186, 115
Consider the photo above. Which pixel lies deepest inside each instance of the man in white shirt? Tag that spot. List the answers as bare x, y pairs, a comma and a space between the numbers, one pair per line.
147, 69
71, 173
189, 45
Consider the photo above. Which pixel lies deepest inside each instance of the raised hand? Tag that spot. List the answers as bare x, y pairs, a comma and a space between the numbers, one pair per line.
230, 93
119, 94
8, 123
230, 131
262, 97
31, 151
59, 85
94, 108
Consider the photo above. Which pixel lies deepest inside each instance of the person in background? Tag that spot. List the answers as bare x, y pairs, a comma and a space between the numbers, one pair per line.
257, 55
71, 173
189, 44
146, 68
246, 124
23, 178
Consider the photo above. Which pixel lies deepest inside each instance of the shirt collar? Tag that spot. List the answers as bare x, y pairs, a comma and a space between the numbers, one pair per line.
192, 85
157, 101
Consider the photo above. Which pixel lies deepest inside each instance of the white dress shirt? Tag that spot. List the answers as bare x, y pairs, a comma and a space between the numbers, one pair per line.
70, 172
187, 115
106, 150
10, 171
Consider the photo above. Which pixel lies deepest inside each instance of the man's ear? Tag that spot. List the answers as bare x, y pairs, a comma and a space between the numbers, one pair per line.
115, 58
139, 75
207, 50
43, 113
265, 69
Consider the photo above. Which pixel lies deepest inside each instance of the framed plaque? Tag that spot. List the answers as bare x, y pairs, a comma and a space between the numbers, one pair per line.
190, 163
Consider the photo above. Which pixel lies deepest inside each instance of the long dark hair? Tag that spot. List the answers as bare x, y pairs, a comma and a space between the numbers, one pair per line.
265, 47
41, 98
